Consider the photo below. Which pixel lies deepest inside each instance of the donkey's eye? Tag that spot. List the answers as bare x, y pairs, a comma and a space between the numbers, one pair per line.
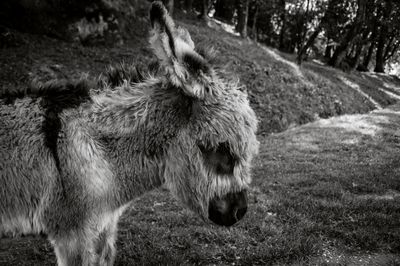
219, 159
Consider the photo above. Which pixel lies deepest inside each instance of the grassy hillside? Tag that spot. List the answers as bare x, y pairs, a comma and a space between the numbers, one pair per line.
282, 94
326, 193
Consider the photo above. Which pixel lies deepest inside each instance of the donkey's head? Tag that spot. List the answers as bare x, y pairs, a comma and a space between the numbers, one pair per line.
208, 162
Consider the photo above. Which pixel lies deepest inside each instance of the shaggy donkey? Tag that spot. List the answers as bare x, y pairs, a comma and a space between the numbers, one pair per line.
72, 159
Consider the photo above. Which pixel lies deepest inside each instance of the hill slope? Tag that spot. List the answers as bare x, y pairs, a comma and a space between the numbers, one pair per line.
282, 94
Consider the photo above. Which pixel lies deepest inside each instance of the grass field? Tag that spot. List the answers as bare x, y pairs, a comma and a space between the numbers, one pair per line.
325, 193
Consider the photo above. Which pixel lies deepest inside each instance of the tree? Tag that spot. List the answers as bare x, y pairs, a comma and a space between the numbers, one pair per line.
225, 10
188, 5
242, 11
358, 49
301, 52
372, 41
254, 6
388, 42
383, 32
281, 6
351, 34
204, 10
325, 11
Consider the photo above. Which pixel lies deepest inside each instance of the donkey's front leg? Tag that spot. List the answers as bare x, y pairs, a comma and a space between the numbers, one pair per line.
90, 247
105, 245
75, 249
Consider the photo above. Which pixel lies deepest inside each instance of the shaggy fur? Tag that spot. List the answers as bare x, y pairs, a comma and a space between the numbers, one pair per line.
72, 160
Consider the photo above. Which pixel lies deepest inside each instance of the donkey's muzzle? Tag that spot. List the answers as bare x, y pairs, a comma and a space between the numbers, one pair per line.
229, 209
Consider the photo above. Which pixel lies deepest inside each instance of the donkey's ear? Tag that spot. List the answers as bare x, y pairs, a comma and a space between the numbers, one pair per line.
162, 39
167, 40
175, 50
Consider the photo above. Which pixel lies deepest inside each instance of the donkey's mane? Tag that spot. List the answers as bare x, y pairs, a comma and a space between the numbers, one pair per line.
62, 91
116, 76
67, 91
59, 90
208, 52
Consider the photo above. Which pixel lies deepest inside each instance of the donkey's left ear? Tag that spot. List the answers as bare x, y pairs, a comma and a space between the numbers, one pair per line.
174, 48
162, 39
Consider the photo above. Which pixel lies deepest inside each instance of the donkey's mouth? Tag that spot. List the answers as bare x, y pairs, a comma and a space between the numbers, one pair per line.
229, 209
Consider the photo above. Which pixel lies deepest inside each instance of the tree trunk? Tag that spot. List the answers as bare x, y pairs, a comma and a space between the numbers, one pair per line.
359, 47
371, 48
189, 6
368, 58
379, 66
282, 4
328, 20
328, 50
389, 47
351, 34
204, 10
352, 50
380, 61
224, 10
341, 50
303, 31
243, 10
254, 26
356, 58
302, 52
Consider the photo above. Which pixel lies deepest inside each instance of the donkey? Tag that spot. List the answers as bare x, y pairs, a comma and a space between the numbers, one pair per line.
72, 159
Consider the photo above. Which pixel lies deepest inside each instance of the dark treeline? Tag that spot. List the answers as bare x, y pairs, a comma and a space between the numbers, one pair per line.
348, 34
351, 34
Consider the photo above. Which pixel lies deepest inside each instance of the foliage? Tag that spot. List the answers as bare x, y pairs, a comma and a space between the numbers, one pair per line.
350, 34
354, 34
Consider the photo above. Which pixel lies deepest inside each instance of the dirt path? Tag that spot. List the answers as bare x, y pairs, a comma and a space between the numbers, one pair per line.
326, 193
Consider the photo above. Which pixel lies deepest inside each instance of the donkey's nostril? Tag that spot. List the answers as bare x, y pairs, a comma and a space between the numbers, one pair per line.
241, 212
229, 209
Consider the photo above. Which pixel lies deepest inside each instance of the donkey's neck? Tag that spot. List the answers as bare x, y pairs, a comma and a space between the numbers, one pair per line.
135, 172
135, 126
